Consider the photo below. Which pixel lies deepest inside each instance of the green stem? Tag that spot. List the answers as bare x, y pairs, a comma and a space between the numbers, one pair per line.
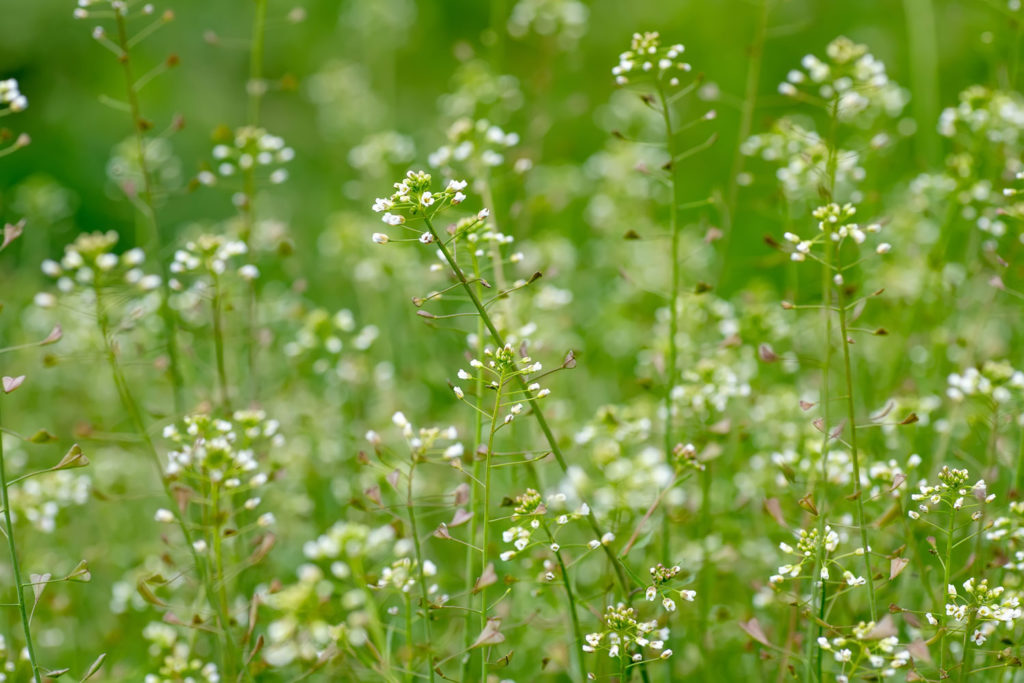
16, 567
946, 577
577, 632
421, 575
478, 431
218, 343
230, 657
495, 423
673, 313
855, 454
534, 404
148, 212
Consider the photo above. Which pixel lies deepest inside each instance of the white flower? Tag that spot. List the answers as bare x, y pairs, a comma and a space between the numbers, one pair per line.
380, 238
164, 516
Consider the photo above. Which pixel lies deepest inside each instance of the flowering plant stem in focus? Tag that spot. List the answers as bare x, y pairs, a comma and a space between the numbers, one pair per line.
534, 406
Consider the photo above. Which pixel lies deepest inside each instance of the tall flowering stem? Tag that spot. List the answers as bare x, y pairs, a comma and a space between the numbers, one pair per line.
19, 585
421, 576
535, 409
147, 208
229, 651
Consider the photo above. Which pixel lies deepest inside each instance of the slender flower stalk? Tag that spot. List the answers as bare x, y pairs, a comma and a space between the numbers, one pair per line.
19, 585
535, 409
230, 654
420, 571
147, 209
495, 424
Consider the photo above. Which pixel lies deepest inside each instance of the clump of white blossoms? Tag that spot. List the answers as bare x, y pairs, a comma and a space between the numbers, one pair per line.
474, 142
90, 263
229, 454
660, 576
835, 223
951, 494
532, 512
11, 99
809, 543
414, 200
648, 61
424, 442
625, 636
499, 366
849, 82
176, 660
210, 255
39, 500
250, 150
322, 337
802, 156
998, 381
868, 647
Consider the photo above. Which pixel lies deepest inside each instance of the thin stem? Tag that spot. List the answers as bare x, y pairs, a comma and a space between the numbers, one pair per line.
230, 657
16, 567
486, 509
855, 455
577, 632
148, 212
478, 430
420, 572
218, 343
673, 315
538, 414
946, 577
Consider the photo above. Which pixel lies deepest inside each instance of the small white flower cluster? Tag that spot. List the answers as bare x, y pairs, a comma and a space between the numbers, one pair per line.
952, 493
473, 143
320, 338
227, 453
851, 82
981, 606
985, 115
11, 98
625, 634
879, 653
40, 499
660, 575
176, 660
834, 221
251, 149
424, 442
648, 61
501, 366
414, 199
403, 573
89, 262
802, 156
566, 20
530, 504
807, 546
998, 381
210, 254
302, 631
